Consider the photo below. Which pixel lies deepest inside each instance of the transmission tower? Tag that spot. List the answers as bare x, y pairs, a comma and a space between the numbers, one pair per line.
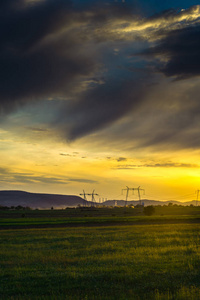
84, 196
93, 199
197, 192
139, 195
93, 194
133, 189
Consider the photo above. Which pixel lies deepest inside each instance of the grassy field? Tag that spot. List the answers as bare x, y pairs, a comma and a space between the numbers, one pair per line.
93, 216
17, 223
100, 212
119, 262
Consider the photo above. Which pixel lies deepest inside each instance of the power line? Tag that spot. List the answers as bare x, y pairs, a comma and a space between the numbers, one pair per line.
84, 195
197, 192
132, 189
172, 198
90, 194
138, 189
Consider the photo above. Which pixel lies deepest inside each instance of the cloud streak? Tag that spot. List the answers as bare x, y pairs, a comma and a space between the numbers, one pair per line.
157, 165
8, 176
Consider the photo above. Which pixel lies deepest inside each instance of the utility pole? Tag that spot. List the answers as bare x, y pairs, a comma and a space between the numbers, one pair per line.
197, 192
133, 189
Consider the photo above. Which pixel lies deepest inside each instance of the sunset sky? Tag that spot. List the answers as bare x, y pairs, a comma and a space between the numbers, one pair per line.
100, 95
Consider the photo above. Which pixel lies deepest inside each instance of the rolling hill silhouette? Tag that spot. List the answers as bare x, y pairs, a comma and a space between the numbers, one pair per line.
37, 200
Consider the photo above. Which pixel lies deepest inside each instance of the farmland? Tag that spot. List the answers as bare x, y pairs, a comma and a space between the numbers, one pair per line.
147, 258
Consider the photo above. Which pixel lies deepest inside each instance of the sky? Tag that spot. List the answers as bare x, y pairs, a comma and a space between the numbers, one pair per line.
100, 95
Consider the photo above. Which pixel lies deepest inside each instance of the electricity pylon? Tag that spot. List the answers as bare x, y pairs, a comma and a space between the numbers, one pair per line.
139, 195
197, 192
84, 195
93, 199
133, 189
93, 194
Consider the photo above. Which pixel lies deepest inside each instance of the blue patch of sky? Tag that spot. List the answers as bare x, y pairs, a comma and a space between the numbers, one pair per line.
120, 62
147, 7
34, 114
155, 6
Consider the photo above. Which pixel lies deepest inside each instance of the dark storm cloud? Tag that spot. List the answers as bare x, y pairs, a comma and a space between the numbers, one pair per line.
47, 51
36, 58
181, 50
104, 104
42, 47
99, 107
51, 50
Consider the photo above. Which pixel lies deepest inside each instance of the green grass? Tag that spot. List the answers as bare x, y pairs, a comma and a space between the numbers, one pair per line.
120, 262
95, 216
23, 222
100, 212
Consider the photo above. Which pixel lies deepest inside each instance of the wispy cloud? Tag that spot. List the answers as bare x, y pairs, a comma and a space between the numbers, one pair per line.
36, 129
157, 165
8, 176
159, 25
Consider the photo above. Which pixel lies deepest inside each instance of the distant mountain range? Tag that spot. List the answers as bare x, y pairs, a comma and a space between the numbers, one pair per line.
45, 201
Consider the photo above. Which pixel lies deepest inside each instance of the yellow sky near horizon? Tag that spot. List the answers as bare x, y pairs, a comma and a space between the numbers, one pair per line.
63, 168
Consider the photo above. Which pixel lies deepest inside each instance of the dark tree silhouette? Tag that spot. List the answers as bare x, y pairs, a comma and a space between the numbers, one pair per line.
149, 210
